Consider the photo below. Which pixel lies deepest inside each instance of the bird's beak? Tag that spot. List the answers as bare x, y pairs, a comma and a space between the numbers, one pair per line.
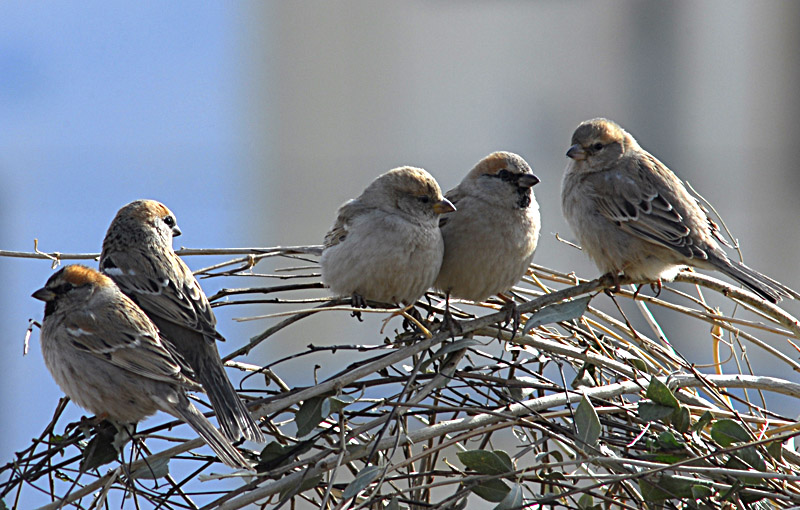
44, 294
443, 206
527, 181
576, 152
176, 231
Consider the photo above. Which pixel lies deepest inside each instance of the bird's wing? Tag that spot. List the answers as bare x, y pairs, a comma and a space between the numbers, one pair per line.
127, 339
164, 287
648, 206
344, 219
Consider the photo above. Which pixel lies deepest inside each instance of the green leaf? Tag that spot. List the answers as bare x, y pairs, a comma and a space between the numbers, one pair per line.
665, 458
650, 411
638, 364
522, 392
487, 463
587, 423
586, 502
559, 312
631, 359
665, 487
752, 458
754, 501
505, 460
513, 500
775, 450
652, 493
735, 462
701, 491
745, 459
100, 450
681, 419
308, 483
364, 477
667, 441
726, 432
275, 455
585, 377
541, 457
552, 476
310, 415
56, 439
272, 451
152, 470
493, 490
658, 392
339, 402
582, 380
704, 420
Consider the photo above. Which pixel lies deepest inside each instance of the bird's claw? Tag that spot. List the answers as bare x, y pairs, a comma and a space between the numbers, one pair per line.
412, 320
656, 287
357, 301
450, 324
512, 317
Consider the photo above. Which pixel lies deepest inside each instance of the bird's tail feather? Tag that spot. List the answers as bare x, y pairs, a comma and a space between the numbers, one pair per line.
226, 452
763, 285
232, 414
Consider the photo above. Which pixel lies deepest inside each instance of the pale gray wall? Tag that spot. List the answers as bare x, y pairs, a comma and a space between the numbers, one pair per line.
342, 91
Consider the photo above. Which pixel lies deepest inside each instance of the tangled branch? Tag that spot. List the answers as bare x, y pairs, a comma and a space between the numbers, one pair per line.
592, 404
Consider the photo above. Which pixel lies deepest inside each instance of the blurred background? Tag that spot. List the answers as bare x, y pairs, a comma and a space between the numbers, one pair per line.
254, 121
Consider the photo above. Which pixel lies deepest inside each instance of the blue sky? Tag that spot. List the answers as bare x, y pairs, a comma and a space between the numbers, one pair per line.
102, 103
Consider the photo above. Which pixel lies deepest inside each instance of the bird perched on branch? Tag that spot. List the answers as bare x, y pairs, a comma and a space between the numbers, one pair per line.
632, 215
386, 244
137, 254
489, 241
107, 356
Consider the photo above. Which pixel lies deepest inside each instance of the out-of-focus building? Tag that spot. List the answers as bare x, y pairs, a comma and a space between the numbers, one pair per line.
339, 92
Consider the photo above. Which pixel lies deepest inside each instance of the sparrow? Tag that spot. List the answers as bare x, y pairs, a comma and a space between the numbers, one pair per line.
489, 241
137, 254
386, 244
632, 214
108, 357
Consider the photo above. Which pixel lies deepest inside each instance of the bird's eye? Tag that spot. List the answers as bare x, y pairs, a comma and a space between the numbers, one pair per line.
63, 288
504, 174
424, 199
597, 146
169, 220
